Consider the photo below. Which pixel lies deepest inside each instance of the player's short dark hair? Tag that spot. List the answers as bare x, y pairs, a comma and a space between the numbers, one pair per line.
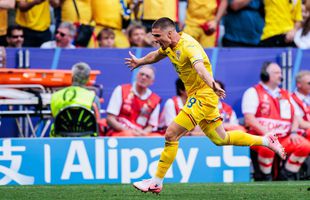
179, 86
163, 23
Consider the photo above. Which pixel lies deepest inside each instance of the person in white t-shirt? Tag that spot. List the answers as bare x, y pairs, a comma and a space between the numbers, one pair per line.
133, 109
173, 105
229, 117
267, 108
301, 101
63, 37
302, 36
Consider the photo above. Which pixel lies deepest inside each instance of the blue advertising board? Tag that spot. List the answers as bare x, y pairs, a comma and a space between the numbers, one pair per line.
117, 160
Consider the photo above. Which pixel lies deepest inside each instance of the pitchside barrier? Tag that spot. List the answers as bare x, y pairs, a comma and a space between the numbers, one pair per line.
106, 160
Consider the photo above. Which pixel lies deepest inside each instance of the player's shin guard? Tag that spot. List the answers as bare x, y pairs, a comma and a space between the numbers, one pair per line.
240, 138
166, 158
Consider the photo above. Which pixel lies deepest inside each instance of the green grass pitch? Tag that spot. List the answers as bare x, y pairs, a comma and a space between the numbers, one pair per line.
252, 191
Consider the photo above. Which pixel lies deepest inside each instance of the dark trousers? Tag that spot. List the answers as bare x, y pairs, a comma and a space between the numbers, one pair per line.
3, 40
276, 41
34, 38
229, 43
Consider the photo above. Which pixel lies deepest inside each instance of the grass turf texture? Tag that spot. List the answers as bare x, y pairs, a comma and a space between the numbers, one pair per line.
251, 191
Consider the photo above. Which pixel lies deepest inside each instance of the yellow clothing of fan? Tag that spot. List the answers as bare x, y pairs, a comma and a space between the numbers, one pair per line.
280, 16
69, 14
3, 21
152, 10
37, 18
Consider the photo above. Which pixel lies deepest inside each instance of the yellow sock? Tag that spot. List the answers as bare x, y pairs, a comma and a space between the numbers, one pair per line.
166, 158
240, 138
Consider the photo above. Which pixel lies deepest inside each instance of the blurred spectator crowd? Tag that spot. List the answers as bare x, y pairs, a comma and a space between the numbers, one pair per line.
127, 23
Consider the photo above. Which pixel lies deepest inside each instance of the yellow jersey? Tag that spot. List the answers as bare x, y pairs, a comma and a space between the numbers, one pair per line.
280, 16
152, 10
187, 52
3, 21
200, 11
108, 13
69, 14
38, 18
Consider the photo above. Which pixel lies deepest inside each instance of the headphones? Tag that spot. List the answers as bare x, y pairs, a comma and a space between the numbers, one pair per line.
264, 75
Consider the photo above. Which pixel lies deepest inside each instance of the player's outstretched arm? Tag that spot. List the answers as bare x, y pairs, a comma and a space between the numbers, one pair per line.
208, 79
152, 57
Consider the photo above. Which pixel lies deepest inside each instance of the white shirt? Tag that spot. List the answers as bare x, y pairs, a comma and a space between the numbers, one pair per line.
116, 101
302, 42
298, 111
52, 45
250, 99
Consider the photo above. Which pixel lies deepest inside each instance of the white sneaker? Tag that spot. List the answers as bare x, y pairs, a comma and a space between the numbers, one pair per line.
148, 186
